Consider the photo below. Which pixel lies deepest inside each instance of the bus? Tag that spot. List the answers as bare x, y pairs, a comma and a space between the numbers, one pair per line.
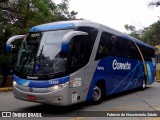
68, 62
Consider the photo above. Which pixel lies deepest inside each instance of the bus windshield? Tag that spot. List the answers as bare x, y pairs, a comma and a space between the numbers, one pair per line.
40, 54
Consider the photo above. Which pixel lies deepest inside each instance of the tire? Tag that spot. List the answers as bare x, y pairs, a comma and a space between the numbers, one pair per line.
98, 94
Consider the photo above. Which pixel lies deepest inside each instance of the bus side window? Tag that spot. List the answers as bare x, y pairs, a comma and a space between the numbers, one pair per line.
131, 50
81, 48
105, 47
77, 53
119, 47
80, 52
147, 53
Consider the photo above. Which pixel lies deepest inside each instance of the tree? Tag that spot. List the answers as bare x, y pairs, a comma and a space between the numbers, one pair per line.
130, 28
22, 14
155, 3
152, 36
149, 34
132, 31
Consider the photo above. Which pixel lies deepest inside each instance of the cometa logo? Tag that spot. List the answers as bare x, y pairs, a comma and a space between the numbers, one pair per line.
121, 66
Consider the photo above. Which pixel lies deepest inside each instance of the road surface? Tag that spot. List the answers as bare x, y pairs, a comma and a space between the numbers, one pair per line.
135, 100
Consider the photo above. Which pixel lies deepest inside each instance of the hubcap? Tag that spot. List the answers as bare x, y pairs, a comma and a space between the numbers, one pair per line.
144, 84
97, 93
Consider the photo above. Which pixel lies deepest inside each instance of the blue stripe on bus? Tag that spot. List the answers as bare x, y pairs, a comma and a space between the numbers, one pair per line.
47, 27
38, 83
117, 80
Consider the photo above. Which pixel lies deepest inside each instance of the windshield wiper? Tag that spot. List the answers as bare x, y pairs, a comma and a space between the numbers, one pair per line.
24, 63
40, 55
36, 66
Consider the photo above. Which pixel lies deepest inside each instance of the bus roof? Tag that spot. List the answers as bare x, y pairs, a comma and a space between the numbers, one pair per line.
75, 23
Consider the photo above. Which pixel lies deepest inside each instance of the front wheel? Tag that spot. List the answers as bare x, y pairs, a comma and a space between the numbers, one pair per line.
98, 94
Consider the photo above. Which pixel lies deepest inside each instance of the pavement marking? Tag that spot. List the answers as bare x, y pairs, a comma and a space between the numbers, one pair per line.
131, 109
77, 118
135, 106
131, 106
150, 119
5, 88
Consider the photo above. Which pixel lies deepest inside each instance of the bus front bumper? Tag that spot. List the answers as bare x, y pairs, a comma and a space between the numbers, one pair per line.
42, 95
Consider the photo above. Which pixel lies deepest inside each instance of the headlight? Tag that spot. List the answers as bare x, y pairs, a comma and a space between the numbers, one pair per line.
58, 87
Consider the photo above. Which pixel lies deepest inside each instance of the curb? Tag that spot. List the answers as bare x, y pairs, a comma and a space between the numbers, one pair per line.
6, 89
157, 80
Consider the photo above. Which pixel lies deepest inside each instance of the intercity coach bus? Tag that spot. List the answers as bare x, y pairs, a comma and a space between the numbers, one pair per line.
64, 63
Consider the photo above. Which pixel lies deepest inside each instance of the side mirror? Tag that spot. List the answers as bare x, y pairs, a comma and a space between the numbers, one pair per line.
10, 40
67, 37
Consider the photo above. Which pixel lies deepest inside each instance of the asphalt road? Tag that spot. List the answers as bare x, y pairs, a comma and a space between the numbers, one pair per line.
135, 100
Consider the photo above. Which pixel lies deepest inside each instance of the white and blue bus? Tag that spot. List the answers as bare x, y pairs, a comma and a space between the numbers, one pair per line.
64, 63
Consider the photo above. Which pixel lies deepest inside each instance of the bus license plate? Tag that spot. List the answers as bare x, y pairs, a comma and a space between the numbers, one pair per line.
31, 97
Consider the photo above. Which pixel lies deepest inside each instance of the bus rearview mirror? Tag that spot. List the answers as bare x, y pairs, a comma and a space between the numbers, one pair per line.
10, 40
67, 37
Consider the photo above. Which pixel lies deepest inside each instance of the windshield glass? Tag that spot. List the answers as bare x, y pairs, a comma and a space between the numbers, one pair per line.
40, 54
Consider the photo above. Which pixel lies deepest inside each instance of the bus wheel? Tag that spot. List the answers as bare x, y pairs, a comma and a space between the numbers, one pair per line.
98, 94
144, 84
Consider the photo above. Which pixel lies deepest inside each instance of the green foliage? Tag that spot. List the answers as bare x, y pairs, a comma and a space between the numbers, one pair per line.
154, 3
149, 35
132, 31
152, 36
130, 28
4, 59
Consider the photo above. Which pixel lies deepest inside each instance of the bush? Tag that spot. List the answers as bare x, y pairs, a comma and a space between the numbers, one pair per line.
4, 59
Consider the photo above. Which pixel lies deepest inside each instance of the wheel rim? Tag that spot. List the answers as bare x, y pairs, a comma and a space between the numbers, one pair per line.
144, 84
97, 93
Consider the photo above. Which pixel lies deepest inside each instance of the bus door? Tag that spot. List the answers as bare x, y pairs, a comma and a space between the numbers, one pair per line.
76, 61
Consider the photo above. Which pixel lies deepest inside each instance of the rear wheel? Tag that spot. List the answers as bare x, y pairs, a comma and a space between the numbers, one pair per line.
98, 94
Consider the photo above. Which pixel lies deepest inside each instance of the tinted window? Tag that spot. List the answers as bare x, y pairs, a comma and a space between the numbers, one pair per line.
105, 47
111, 45
148, 53
81, 48
132, 50
119, 47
